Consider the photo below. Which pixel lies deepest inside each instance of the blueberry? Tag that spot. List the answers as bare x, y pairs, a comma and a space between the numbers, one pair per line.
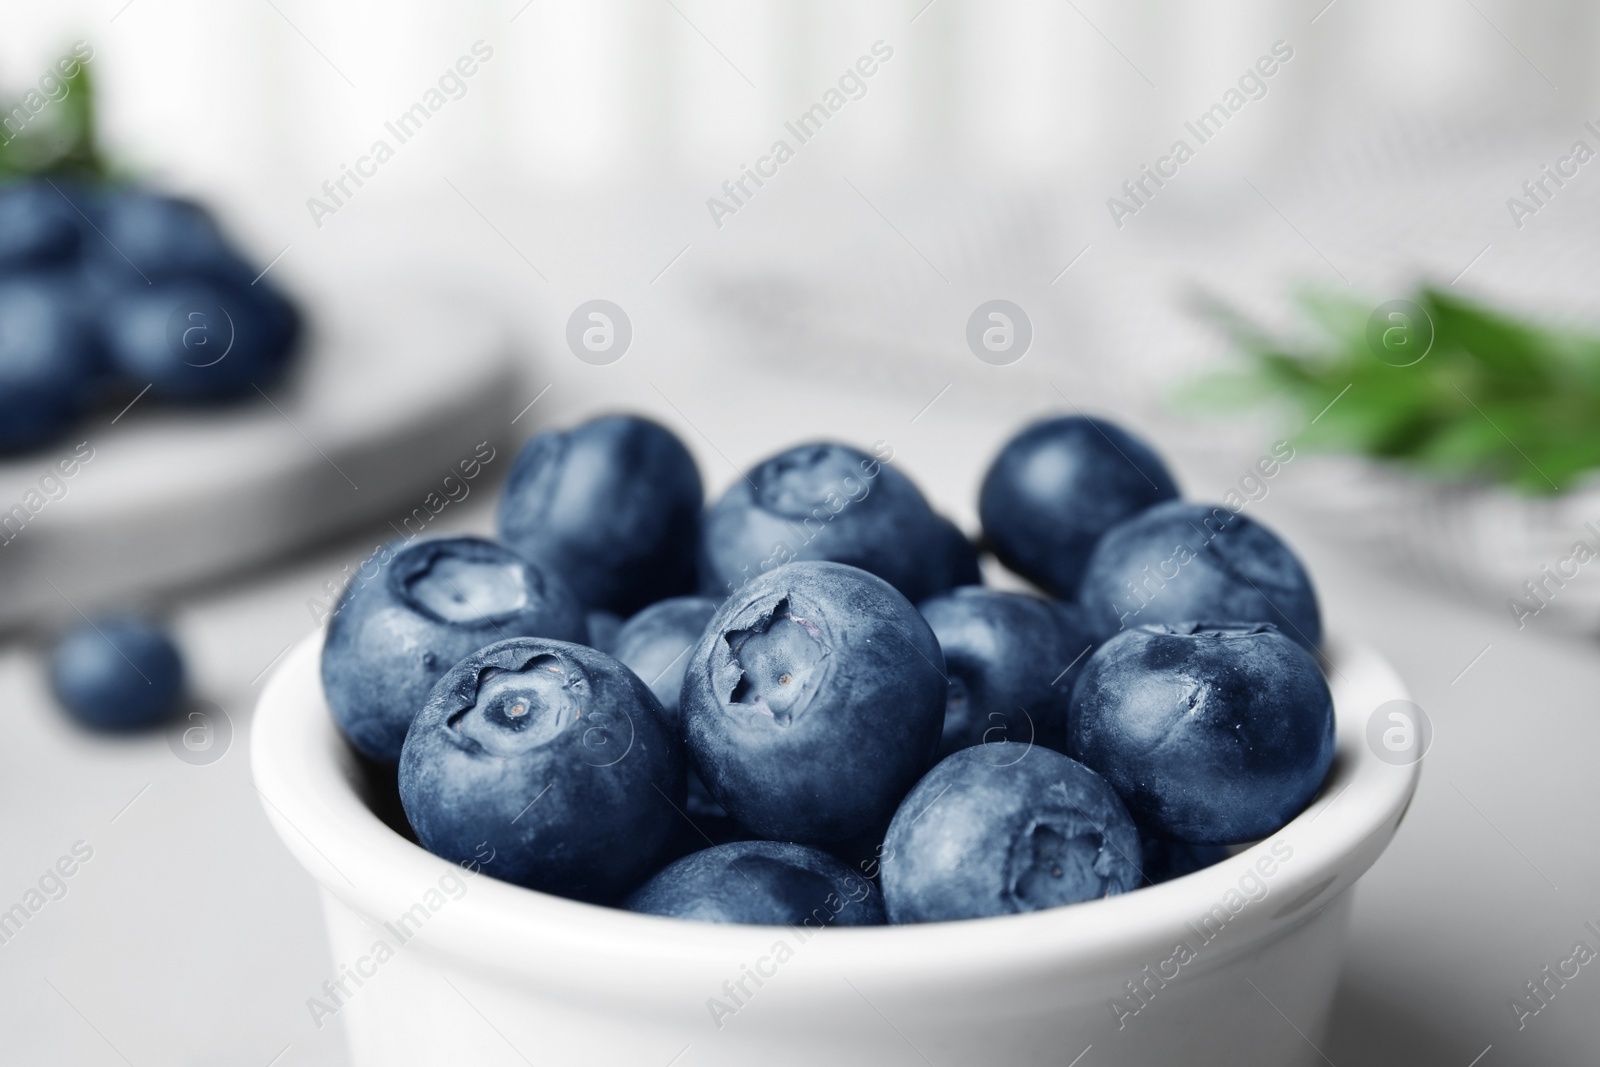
1056, 487
202, 337
1011, 660
39, 226
655, 644
148, 237
813, 701
827, 502
1005, 828
765, 883
117, 674
48, 358
959, 556
423, 608
1181, 562
613, 505
1212, 735
550, 759
1165, 860
602, 628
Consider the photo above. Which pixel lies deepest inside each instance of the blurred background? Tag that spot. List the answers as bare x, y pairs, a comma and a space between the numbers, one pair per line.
596, 152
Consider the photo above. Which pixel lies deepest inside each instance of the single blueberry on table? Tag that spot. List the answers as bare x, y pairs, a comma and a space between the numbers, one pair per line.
813, 701
613, 506
422, 609
824, 501
1056, 487
1180, 562
48, 359
765, 883
552, 758
655, 644
1004, 828
1211, 734
1011, 660
118, 674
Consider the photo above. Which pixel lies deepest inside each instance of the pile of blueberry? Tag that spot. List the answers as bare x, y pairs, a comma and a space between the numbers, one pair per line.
104, 292
814, 711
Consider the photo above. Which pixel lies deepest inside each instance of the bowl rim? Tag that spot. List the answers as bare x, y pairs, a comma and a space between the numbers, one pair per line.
304, 773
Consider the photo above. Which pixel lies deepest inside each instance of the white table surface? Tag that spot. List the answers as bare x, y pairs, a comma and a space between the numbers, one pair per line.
191, 937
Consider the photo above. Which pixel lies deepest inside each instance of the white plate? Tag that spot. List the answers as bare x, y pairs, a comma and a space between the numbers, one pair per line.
387, 398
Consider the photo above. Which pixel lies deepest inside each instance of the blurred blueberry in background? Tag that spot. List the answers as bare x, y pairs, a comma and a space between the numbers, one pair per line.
118, 673
48, 357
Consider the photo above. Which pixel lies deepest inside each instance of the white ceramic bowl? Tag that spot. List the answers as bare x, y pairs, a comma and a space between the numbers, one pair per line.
439, 967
